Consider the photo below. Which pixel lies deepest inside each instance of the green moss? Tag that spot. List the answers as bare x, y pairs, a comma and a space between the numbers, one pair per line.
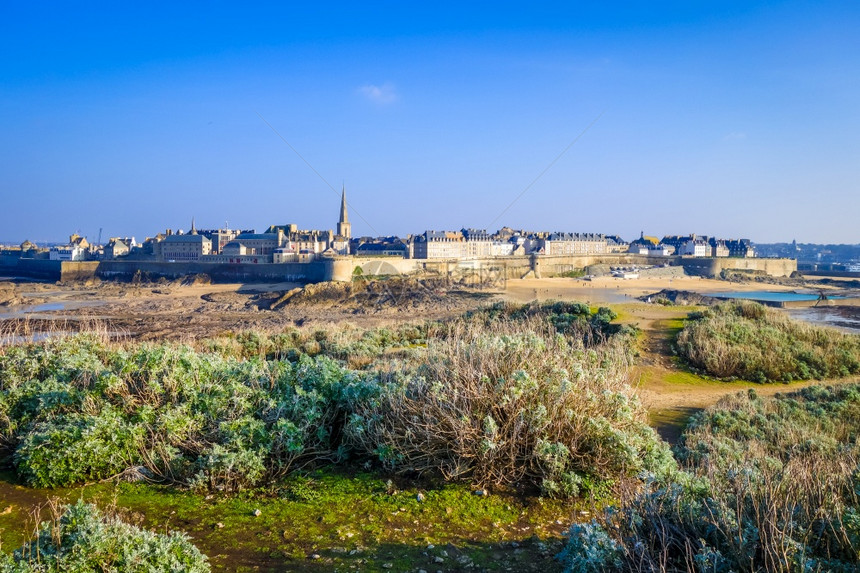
346, 512
680, 377
673, 325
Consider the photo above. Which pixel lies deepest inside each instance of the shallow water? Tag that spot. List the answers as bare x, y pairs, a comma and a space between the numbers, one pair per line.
842, 319
31, 310
770, 296
13, 339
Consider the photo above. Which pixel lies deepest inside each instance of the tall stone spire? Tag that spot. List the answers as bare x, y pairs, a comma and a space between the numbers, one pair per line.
344, 218
343, 226
193, 228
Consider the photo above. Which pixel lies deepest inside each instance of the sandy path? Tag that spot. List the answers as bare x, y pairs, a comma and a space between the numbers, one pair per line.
667, 389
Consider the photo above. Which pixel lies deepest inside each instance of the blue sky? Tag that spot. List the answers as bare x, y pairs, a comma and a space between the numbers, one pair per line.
735, 119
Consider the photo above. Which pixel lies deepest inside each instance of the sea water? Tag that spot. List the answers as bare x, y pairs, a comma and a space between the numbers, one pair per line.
770, 296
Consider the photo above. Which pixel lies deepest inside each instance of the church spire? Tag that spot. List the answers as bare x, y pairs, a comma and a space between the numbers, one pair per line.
343, 226
193, 228
344, 218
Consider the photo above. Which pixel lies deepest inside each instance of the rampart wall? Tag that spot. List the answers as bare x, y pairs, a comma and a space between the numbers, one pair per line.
835, 274
127, 270
345, 268
31, 268
218, 272
712, 267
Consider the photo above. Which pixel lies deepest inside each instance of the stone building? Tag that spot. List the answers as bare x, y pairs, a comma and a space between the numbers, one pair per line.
116, 247
438, 245
220, 237
573, 244
67, 253
183, 248
695, 247
76, 240
379, 247
615, 244
689, 245
256, 243
463, 244
718, 247
659, 250
740, 248
76, 250
643, 244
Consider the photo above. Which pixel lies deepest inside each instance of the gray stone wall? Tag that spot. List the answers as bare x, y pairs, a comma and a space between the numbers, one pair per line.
712, 267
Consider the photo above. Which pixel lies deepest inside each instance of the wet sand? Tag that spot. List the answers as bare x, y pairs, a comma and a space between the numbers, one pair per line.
176, 310
618, 290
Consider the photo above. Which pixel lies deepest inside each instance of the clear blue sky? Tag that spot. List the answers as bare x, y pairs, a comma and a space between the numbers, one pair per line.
723, 118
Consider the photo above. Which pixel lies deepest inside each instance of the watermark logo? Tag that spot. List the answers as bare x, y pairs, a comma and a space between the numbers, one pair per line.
379, 286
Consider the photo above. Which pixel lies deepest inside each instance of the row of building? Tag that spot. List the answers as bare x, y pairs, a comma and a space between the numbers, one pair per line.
278, 244
477, 243
474, 243
692, 246
287, 243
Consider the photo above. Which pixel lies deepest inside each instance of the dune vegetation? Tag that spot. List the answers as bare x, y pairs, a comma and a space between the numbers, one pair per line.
530, 400
766, 485
535, 398
743, 339
82, 538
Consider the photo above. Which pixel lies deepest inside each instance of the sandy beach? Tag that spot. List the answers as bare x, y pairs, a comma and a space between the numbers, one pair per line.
618, 290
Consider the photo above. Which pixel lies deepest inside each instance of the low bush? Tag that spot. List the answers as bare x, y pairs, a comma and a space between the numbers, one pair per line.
83, 539
746, 340
193, 417
515, 404
768, 485
73, 448
359, 348
533, 396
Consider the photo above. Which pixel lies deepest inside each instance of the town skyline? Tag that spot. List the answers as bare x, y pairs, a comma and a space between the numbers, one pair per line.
101, 237
343, 227
735, 120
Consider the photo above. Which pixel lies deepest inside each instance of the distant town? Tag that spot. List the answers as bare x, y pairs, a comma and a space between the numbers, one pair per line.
289, 244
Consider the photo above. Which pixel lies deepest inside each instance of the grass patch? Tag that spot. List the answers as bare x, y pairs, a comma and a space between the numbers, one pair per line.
359, 519
672, 325
671, 422
767, 484
685, 378
670, 416
743, 339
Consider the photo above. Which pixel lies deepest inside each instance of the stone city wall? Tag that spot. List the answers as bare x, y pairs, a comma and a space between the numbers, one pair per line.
712, 267
346, 267
218, 272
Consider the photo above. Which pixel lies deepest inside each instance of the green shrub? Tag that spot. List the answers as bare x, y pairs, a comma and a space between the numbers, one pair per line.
229, 468
746, 340
515, 405
232, 417
78, 447
769, 485
591, 549
194, 417
82, 539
